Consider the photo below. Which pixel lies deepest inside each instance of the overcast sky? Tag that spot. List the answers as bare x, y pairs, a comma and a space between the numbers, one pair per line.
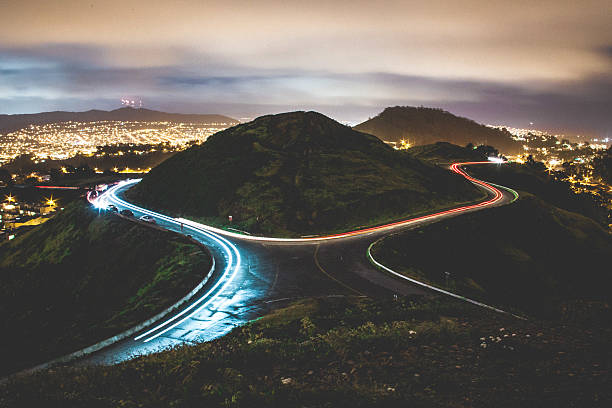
506, 62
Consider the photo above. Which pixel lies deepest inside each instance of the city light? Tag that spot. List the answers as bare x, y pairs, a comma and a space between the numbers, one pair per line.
496, 160
60, 141
50, 202
404, 145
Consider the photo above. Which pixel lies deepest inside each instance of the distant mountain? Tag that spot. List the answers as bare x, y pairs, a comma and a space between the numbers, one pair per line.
421, 126
9, 123
297, 173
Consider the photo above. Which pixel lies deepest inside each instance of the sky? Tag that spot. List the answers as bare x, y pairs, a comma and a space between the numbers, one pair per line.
498, 62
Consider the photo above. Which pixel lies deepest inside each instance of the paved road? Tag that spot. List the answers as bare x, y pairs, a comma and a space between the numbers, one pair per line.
254, 274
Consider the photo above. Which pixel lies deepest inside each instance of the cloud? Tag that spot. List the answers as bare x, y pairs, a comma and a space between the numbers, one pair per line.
491, 60
502, 41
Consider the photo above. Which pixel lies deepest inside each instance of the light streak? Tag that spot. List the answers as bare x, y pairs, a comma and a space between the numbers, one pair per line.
495, 160
455, 167
226, 278
59, 187
434, 288
233, 255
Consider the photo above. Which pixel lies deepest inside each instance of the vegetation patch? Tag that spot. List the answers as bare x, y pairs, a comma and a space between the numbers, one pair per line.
85, 276
528, 256
355, 353
444, 153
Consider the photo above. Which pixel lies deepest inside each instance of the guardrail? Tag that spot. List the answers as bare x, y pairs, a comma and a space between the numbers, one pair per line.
130, 332
384, 268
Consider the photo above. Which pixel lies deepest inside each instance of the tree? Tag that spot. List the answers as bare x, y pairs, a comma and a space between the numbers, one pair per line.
536, 165
55, 175
602, 165
5, 177
488, 151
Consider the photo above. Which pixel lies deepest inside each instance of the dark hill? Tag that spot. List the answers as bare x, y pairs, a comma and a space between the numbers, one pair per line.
82, 277
9, 123
421, 126
297, 173
544, 258
444, 152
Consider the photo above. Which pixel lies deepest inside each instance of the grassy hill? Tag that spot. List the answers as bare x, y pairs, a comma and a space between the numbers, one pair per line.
421, 126
82, 277
297, 173
354, 353
529, 256
444, 152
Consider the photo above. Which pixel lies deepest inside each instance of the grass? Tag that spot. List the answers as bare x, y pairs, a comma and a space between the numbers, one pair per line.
83, 277
354, 353
443, 152
529, 256
296, 174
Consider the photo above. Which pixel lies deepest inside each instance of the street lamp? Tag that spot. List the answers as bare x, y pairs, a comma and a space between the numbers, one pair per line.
50, 202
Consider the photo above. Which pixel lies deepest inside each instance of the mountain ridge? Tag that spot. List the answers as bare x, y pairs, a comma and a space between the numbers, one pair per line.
10, 123
421, 126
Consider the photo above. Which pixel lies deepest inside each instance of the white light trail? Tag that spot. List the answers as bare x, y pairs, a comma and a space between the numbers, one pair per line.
233, 255
228, 275
496, 160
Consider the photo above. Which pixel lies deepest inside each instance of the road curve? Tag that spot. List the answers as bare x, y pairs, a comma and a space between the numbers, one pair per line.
254, 274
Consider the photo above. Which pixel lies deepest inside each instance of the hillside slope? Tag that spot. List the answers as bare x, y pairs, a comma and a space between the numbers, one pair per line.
530, 255
421, 126
9, 123
297, 173
82, 277
535, 179
444, 152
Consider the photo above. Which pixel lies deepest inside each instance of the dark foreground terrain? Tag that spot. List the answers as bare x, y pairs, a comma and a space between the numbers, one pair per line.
357, 353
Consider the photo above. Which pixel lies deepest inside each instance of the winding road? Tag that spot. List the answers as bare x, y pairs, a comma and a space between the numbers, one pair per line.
253, 275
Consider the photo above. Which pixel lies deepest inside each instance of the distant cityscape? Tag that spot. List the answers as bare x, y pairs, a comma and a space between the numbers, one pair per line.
16, 214
554, 151
59, 141
42, 154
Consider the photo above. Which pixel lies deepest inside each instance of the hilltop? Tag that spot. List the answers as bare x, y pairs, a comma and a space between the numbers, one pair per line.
421, 126
9, 123
298, 173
